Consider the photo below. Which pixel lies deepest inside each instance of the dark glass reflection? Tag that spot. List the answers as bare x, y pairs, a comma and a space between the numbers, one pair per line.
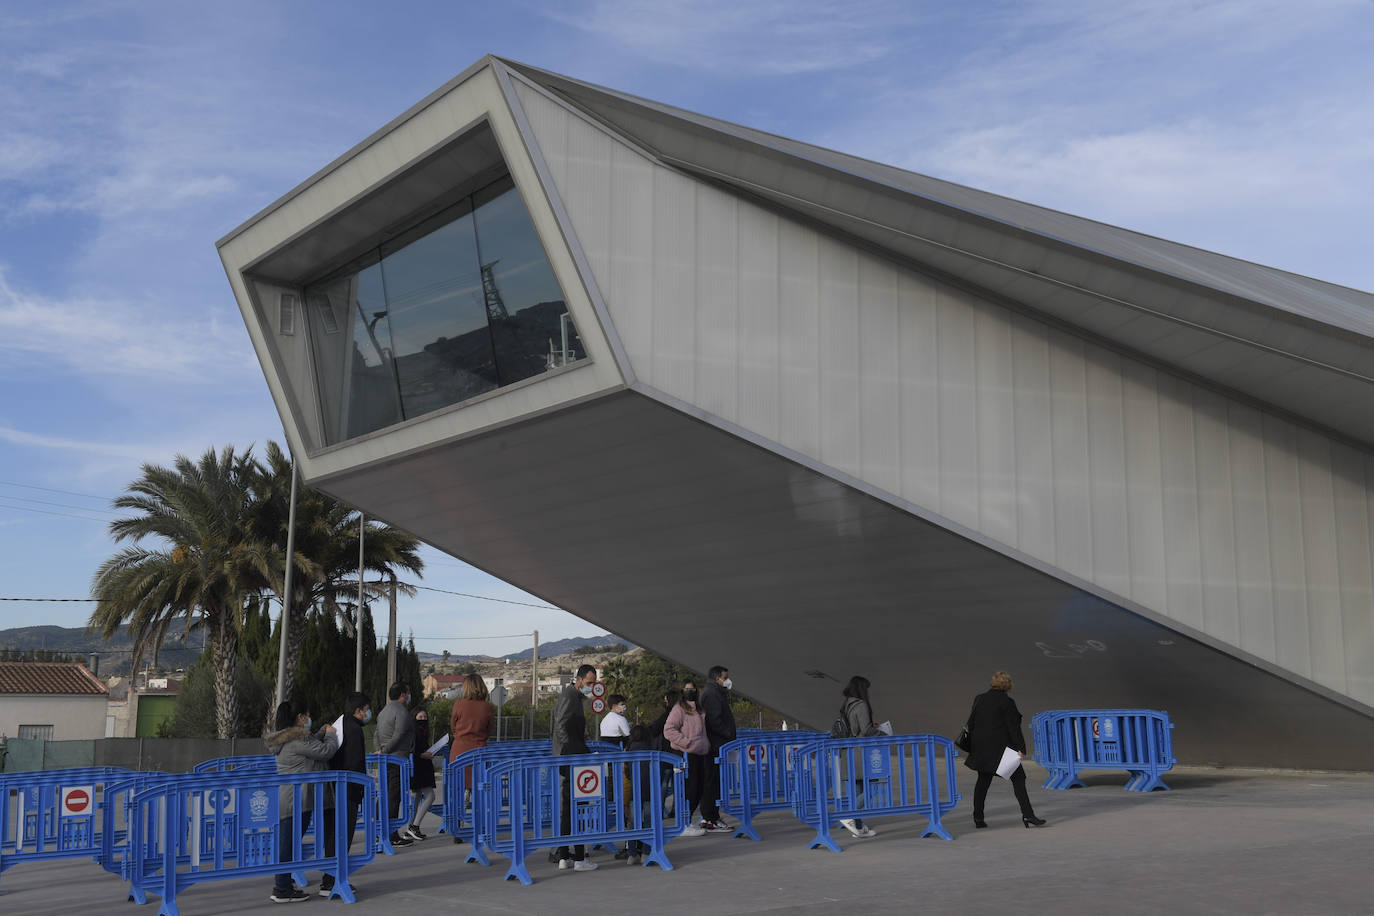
455, 307
524, 304
443, 345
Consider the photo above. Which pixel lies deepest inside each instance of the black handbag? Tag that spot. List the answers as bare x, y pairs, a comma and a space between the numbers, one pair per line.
961, 740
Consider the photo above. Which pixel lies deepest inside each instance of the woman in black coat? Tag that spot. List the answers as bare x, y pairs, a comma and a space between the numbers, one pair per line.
994, 725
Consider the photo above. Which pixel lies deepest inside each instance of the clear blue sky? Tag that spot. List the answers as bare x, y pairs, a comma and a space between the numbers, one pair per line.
135, 134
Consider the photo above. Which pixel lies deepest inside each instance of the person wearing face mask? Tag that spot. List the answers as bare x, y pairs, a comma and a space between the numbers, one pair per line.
685, 732
615, 728
720, 728
395, 735
421, 775
570, 737
297, 750
351, 756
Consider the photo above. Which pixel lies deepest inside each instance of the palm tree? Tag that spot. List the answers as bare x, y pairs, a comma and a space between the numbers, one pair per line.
209, 562
326, 551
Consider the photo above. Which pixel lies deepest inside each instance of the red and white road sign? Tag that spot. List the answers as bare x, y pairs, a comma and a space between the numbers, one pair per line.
587, 782
77, 800
598, 706
755, 753
1096, 733
598, 689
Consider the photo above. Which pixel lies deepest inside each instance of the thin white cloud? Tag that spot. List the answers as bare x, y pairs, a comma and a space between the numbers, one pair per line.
772, 37
20, 437
111, 337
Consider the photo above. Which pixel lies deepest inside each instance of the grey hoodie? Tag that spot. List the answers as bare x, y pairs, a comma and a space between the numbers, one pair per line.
299, 751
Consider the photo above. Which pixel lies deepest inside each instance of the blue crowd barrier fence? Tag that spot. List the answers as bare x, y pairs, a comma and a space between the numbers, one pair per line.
835, 779
754, 774
116, 814
260, 762
464, 809
221, 826
611, 798
1139, 741
54, 814
378, 767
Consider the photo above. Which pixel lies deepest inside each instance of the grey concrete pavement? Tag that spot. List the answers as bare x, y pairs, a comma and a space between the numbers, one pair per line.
1221, 842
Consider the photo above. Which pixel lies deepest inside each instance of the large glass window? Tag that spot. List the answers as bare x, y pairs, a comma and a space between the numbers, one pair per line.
459, 305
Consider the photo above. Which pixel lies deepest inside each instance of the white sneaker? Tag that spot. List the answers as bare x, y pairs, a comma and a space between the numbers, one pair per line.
565, 864
691, 830
868, 832
853, 828
584, 865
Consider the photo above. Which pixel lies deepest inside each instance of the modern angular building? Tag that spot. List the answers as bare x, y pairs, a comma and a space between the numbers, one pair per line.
751, 402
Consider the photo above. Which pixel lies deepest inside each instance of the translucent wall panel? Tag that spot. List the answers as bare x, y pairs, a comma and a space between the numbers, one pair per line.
1223, 517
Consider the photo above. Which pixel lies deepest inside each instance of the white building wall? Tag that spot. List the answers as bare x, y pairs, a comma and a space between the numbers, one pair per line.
72, 717
1229, 520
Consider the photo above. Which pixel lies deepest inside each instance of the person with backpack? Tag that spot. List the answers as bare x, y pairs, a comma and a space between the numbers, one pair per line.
856, 721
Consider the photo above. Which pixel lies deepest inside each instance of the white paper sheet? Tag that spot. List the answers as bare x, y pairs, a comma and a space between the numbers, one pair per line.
885, 727
438, 746
1010, 761
338, 730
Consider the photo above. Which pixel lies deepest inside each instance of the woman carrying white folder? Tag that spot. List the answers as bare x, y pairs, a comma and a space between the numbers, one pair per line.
993, 726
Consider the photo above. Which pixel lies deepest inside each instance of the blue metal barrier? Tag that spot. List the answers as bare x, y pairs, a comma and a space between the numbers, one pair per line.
54, 814
259, 762
598, 815
217, 826
754, 774
377, 765
900, 774
117, 813
464, 809
1136, 740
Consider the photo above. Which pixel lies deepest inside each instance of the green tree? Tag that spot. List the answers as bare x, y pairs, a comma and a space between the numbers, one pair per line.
326, 552
207, 562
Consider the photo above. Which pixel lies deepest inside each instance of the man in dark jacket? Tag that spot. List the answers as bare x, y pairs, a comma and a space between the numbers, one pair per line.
570, 737
396, 735
351, 756
720, 728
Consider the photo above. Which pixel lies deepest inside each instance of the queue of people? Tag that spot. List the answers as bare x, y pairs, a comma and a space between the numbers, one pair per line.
694, 721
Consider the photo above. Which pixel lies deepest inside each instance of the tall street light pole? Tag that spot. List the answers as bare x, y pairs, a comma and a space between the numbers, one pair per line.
358, 621
286, 589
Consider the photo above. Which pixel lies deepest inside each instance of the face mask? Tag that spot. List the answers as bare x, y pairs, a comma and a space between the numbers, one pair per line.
586, 691
307, 723
727, 683
690, 695
367, 717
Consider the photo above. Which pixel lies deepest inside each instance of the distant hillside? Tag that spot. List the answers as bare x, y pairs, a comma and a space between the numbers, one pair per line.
114, 654
546, 650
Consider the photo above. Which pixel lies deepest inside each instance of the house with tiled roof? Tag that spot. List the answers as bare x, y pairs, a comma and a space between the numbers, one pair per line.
57, 701
438, 683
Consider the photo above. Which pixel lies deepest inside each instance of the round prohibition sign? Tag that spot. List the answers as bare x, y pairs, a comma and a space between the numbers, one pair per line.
76, 801
598, 690
598, 706
588, 782
755, 753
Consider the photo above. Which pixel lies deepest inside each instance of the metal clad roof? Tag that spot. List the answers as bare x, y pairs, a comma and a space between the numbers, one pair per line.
1060, 265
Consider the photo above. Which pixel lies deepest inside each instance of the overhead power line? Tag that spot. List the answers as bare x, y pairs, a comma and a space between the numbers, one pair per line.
544, 607
29, 486
89, 518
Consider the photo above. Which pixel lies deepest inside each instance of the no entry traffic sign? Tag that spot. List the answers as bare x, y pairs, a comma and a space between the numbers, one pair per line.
587, 782
77, 800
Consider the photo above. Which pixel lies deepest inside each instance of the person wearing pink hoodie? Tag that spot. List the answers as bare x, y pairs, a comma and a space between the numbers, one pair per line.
685, 732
